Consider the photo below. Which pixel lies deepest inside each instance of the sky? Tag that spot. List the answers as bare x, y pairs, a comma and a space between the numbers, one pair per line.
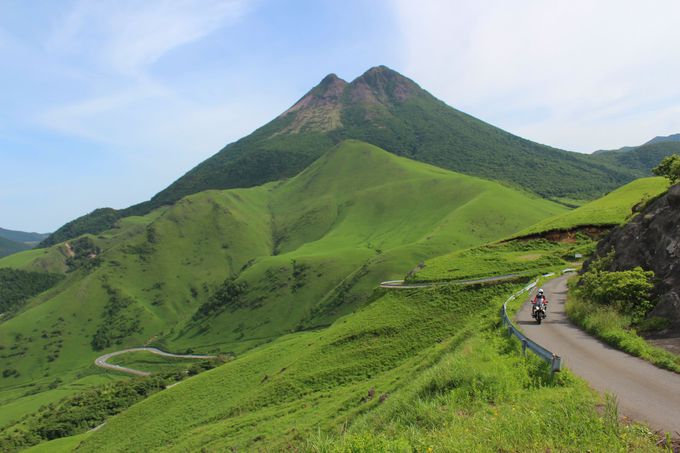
106, 102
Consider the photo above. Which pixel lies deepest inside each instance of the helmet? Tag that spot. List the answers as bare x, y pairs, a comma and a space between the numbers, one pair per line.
540, 291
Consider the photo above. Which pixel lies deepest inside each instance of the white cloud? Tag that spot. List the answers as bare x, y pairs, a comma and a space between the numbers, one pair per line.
577, 74
128, 36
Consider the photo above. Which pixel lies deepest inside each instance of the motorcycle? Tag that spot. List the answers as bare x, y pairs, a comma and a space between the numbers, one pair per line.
538, 312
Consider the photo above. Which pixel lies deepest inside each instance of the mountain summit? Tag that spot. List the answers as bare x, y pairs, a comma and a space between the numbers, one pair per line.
321, 109
391, 111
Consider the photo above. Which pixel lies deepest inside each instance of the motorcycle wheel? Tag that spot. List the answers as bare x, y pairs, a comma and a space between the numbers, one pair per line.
538, 319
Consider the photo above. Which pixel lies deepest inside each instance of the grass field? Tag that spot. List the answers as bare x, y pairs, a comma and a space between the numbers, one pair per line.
540, 255
524, 257
153, 363
612, 209
411, 371
309, 250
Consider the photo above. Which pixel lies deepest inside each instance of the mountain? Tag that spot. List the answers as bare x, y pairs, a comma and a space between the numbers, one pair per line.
664, 139
8, 247
639, 159
228, 271
386, 109
21, 236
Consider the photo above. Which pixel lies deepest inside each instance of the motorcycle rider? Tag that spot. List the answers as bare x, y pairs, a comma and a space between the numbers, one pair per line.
538, 299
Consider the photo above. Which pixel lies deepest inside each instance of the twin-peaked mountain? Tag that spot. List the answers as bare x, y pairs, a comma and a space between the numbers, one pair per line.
386, 109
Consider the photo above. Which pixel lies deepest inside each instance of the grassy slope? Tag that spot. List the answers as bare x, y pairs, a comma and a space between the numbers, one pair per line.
515, 257
612, 209
355, 217
411, 370
153, 363
520, 257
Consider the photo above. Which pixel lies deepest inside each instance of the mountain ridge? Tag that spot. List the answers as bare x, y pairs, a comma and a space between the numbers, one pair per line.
22, 236
664, 138
391, 111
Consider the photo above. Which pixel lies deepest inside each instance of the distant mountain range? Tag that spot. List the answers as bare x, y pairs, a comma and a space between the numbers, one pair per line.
22, 236
667, 138
16, 241
641, 158
386, 109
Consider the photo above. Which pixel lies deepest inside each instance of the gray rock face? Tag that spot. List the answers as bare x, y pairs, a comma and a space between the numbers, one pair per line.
652, 240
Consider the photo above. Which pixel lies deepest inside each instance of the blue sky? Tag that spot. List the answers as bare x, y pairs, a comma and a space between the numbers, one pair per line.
104, 103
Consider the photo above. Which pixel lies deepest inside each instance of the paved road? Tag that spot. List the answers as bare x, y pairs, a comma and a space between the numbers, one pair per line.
102, 361
645, 392
399, 284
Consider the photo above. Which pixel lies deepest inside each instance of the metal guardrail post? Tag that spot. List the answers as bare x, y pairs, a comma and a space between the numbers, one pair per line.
556, 363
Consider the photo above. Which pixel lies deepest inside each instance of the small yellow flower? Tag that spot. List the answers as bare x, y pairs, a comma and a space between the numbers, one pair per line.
429, 450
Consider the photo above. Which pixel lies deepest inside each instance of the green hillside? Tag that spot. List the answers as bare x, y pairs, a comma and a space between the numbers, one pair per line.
227, 271
22, 236
642, 158
413, 371
612, 209
8, 247
526, 256
386, 109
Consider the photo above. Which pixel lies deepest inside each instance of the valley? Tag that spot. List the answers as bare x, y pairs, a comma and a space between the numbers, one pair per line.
255, 281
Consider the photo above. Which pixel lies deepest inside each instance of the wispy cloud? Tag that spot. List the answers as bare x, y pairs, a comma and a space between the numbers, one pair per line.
551, 69
128, 36
111, 47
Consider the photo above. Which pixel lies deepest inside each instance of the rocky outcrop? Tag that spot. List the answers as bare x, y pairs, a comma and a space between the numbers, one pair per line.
652, 240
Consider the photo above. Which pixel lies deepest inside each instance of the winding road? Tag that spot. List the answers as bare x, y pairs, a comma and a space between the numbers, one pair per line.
102, 360
645, 393
399, 284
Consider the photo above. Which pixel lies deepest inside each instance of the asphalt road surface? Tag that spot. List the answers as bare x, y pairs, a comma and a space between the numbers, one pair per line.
400, 284
645, 393
102, 360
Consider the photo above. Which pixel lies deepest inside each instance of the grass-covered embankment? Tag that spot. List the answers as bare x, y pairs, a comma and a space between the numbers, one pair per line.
618, 330
610, 210
513, 257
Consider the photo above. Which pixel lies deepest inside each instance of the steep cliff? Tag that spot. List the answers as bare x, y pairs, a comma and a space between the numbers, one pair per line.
652, 240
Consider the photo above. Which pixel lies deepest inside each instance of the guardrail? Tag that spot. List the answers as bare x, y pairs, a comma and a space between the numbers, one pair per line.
553, 359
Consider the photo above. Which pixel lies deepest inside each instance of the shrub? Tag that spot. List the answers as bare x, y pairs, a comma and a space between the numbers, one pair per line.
228, 295
669, 168
627, 291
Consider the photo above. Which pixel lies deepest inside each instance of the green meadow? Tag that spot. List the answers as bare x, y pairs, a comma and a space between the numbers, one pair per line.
612, 209
305, 252
411, 371
283, 278
526, 252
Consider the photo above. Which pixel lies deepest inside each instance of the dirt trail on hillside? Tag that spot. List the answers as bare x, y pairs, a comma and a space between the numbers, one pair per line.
645, 392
